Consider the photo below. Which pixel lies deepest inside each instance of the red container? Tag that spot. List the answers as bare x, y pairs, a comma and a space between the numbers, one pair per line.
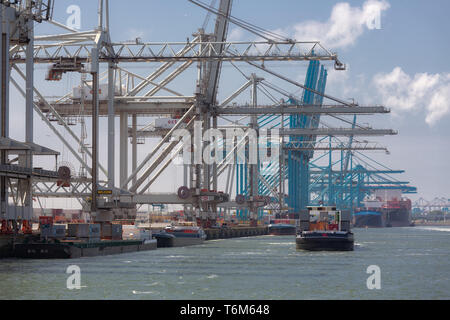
333, 226
45, 220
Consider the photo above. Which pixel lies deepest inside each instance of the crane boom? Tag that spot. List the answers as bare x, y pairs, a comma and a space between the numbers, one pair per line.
220, 34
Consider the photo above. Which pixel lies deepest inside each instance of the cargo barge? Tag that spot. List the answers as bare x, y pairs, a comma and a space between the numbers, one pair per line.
282, 229
180, 236
6, 244
235, 232
76, 240
73, 240
325, 241
67, 249
225, 231
324, 229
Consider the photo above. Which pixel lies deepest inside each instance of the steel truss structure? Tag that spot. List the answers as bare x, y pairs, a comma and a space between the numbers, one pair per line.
93, 55
422, 205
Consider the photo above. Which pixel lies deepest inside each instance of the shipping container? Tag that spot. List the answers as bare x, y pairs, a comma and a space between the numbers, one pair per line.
46, 230
59, 231
164, 123
106, 230
116, 232
94, 230
134, 233
45, 226
86, 92
84, 230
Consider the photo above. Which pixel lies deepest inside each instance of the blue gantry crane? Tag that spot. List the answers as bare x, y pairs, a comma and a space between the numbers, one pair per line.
332, 184
344, 181
297, 161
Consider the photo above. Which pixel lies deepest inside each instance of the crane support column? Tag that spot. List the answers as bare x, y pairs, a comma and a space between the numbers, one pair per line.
29, 126
123, 149
95, 125
4, 98
254, 167
111, 126
134, 146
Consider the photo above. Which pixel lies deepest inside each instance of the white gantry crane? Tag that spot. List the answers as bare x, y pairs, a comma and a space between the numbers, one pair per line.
110, 89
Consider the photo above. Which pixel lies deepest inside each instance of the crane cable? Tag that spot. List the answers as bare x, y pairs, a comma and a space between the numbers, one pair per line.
263, 33
208, 15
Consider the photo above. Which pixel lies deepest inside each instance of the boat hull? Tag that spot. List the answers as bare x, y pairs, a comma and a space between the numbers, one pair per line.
6, 244
45, 251
399, 217
282, 230
71, 251
385, 218
165, 240
369, 221
321, 242
182, 242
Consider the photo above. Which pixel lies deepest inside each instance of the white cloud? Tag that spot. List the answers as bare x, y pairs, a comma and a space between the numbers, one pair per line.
345, 25
337, 82
338, 76
348, 85
424, 92
236, 34
135, 33
439, 105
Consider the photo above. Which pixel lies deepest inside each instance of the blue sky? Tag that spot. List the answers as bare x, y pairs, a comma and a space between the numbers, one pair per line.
405, 63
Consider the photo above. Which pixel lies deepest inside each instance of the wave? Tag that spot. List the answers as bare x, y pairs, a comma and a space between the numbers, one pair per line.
282, 243
247, 253
144, 292
153, 284
441, 229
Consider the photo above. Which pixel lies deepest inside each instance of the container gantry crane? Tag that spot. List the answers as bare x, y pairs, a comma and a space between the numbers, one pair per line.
87, 51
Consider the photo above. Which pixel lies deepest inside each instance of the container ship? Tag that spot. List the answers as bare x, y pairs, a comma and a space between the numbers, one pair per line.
325, 229
392, 211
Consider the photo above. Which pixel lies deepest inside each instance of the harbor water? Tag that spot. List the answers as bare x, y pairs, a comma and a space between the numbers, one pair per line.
414, 263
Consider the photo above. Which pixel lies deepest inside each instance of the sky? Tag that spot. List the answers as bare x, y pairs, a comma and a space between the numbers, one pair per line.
398, 59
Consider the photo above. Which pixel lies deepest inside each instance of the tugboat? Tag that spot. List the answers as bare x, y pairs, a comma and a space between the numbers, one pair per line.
180, 235
324, 229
